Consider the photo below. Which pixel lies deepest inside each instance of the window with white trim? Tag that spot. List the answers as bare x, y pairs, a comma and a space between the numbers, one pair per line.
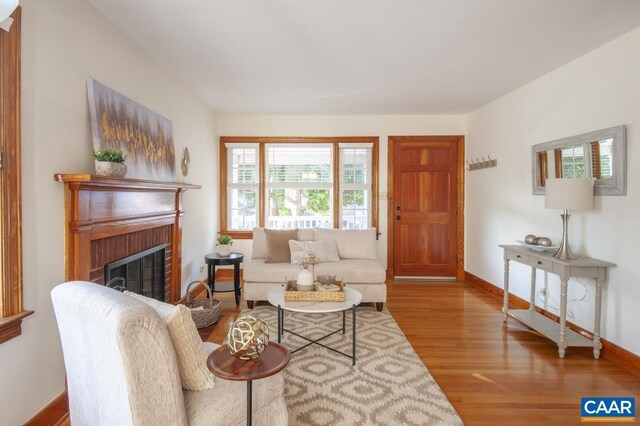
575, 162
355, 186
243, 177
299, 186
606, 159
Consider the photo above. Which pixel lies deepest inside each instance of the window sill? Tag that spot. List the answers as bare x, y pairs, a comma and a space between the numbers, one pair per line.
11, 326
248, 235
239, 235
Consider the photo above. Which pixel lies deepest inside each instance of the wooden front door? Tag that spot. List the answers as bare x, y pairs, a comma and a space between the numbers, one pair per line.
425, 198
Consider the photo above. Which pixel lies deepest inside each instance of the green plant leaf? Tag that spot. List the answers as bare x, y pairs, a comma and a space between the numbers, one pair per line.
110, 155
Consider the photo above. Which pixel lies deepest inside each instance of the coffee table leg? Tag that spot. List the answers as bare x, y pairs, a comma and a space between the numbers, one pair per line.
279, 322
353, 339
249, 407
344, 314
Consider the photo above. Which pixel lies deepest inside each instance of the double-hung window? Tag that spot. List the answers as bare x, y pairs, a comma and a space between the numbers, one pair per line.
575, 163
242, 185
299, 185
286, 183
355, 185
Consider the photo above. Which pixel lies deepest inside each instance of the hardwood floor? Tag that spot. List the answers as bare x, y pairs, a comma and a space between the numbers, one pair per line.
492, 374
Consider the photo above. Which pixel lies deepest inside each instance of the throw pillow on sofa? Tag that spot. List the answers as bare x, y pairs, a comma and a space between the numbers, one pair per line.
352, 243
278, 245
192, 360
324, 251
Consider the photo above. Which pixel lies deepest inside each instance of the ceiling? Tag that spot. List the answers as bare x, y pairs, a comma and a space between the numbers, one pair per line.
365, 56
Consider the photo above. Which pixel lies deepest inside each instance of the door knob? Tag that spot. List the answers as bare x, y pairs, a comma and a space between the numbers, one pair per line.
397, 217
398, 208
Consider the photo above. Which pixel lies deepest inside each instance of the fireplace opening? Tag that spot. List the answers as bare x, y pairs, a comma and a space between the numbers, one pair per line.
143, 272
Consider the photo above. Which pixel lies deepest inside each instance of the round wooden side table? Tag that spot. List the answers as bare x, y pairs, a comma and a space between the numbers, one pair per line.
226, 366
214, 259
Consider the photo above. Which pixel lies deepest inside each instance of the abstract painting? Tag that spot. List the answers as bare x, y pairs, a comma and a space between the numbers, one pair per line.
145, 137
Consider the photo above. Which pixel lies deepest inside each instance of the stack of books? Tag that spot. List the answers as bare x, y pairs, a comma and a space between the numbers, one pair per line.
329, 287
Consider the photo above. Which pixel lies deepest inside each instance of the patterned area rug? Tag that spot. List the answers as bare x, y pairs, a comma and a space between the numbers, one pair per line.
389, 384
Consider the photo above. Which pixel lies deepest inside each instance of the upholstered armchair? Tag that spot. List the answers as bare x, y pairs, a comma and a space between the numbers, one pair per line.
122, 370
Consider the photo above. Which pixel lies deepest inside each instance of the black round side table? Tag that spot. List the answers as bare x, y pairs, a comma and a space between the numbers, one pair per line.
213, 260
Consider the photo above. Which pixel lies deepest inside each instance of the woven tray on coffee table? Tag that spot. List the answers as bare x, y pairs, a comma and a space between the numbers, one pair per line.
291, 294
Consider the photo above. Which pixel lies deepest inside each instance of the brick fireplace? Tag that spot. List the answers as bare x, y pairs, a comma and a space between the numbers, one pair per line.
109, 219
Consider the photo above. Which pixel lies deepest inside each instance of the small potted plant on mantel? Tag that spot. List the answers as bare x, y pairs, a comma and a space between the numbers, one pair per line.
224, 244
110, 162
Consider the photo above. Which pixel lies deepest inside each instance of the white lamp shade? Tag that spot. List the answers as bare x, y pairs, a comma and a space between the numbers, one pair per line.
6, 8
570, 194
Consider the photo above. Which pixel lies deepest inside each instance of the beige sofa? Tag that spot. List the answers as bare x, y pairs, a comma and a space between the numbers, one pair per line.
358, 265
122, 368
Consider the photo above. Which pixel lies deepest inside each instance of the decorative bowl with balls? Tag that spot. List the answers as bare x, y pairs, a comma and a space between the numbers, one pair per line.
538, 243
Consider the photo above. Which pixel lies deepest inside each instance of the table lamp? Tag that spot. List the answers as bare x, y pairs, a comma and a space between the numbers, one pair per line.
568, 194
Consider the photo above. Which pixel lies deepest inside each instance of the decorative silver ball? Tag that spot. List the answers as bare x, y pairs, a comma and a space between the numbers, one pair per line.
530, 239
543, 241
248, 337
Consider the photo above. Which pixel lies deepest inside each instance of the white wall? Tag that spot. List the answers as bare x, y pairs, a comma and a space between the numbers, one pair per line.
64, 43
596, 91
345, 125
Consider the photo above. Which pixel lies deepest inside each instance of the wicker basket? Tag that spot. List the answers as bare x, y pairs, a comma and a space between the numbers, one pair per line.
117, 283
211, 311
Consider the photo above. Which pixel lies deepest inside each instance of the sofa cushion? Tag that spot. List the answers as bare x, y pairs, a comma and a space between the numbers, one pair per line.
352, 243
305, 234
278, 244
258, 271
259, 243
371, 292
192, 360
353, 271
322, 251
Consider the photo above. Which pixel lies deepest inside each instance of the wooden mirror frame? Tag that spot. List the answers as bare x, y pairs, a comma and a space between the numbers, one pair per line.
619, 184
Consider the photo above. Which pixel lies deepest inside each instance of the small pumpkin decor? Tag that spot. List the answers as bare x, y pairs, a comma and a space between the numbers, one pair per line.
110, 162
224, 244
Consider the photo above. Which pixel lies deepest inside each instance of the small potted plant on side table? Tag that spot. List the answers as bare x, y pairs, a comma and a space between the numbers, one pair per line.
224, 244
110, 162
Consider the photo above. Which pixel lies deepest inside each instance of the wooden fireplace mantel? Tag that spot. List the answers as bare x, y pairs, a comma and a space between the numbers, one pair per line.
98, 207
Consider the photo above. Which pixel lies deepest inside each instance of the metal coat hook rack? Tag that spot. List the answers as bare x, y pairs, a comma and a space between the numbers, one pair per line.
481, 164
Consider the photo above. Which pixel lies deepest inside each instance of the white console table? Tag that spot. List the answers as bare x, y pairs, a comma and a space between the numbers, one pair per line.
565, 269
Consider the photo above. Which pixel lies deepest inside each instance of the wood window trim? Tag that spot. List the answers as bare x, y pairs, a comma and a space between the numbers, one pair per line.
544, 168
11, 309
596, 168
262, 142
557, 156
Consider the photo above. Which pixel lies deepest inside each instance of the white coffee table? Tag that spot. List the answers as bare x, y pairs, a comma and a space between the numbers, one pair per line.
351, 300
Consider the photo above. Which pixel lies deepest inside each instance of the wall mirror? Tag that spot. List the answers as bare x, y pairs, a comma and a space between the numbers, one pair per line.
600, 154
